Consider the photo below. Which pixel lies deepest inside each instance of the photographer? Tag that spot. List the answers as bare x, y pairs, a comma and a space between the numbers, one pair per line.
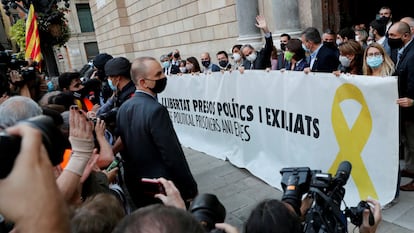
29, 196
25, 79
274, 216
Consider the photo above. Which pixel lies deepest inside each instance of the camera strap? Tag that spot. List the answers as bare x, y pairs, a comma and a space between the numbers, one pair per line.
333, 207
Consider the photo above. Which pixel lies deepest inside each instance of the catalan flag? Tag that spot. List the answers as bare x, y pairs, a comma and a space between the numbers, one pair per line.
32, 37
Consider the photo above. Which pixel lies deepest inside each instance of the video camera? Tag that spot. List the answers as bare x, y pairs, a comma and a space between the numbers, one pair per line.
52, 138
11, 62
208, 210
325, 216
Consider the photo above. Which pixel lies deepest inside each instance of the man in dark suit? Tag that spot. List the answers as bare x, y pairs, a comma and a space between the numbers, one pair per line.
168, 66
150, 145
322, 58
259, 60
399, 37
281, 61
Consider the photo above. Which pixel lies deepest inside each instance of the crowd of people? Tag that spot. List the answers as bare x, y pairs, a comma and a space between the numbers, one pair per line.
120, 167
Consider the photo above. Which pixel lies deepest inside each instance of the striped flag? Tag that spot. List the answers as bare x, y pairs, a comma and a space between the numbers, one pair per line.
32, 37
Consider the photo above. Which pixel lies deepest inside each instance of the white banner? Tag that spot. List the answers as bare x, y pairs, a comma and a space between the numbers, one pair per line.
266, 121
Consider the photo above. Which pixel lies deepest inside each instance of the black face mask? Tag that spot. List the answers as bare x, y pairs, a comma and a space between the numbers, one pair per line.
384, 19
223, 64
329, 44
283, 47
205, 63
160, 85
395, 43
79, 94
176, 55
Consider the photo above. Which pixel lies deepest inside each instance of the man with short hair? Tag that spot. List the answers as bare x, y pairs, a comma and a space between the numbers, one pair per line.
399, 37
377, 30
207, 64
151, 148
17, 108
322, 58
168, 66
281, 61
223, 59
157, 219
410, 22
259, 60
385, 16
69, 82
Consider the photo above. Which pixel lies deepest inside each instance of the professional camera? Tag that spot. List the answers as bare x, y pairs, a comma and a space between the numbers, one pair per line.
52, 138
27, 73
327, 192
355, 213
208, 210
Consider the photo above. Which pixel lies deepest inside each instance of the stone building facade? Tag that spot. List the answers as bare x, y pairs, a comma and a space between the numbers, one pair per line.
134, 28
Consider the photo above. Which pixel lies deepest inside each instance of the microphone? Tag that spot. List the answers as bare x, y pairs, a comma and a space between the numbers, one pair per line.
343, 172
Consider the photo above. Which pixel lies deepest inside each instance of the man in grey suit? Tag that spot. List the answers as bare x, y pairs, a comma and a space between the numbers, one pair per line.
150, 145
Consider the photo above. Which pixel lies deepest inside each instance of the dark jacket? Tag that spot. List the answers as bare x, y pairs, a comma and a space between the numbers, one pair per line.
151, 148
263, 57
405, 72
326, 60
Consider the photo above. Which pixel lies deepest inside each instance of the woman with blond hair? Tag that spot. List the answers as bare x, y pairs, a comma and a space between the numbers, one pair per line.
377, 62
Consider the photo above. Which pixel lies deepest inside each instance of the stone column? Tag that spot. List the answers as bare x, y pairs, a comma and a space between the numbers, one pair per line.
285, 16
246, 11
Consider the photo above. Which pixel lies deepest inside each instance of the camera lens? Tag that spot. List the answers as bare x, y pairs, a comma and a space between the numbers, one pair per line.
52, 139
208, 210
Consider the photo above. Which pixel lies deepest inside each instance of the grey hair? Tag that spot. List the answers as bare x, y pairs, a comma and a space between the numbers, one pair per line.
312, 34
164, 56
18, 108
246, 46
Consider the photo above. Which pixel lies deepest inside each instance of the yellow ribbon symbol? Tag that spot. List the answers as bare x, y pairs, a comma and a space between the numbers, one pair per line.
352, 141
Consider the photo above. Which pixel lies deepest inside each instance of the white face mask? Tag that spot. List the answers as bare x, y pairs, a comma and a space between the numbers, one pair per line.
345, 62
183, 69
236, 56
338, 41
252, 57
189, 67
357, 37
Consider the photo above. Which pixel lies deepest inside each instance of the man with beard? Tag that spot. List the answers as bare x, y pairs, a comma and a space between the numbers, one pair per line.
223, 59
385, 16
150, 145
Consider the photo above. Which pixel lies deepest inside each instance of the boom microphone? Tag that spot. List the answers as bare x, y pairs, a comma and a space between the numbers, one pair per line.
343, 172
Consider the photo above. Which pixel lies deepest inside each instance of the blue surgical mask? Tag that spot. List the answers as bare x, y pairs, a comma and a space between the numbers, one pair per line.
166, 64
111, 85
306, 49
375, 61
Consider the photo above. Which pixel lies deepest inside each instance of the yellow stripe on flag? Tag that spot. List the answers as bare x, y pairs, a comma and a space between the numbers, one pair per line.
32, 37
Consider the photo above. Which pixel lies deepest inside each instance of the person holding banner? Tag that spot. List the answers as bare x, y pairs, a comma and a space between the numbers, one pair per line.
322, 57
377, 62
351, 58
295, 56
400, 38
192, 65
